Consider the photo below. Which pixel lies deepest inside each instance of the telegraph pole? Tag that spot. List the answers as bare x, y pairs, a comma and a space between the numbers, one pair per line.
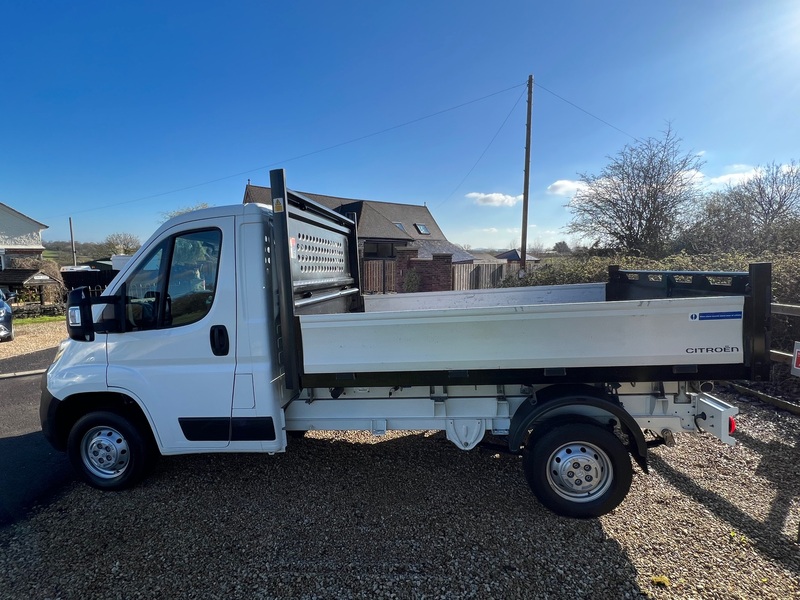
72, 239
526, 185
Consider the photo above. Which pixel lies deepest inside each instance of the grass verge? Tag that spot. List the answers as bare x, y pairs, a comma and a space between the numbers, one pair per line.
32, 320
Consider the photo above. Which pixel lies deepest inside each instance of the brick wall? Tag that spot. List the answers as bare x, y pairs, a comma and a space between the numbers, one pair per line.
414, 274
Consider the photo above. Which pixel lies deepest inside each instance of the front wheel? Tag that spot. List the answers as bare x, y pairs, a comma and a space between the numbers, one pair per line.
578, 470
108, 451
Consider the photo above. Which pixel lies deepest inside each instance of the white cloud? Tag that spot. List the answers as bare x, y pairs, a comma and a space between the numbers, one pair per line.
494, 199
490, 230
565, 187
695, 176
733, 175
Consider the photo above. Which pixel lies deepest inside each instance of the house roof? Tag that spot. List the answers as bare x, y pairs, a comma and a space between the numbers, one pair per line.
23, 277
487, 258
514, 255
376, 220
427, 248
19, 214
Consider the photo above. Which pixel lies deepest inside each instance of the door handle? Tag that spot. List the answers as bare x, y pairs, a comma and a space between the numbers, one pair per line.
220, 344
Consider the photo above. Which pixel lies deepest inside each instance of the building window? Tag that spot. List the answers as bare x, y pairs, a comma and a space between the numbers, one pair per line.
422, 228
400, 226
378, 250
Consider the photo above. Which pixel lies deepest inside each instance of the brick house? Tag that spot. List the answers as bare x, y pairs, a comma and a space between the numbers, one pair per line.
401, 246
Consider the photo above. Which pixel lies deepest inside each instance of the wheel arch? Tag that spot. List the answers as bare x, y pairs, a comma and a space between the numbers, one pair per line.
76, 406
547, 406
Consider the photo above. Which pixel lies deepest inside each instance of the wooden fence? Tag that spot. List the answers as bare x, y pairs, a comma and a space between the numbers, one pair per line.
378, 276
482, 276
787, 310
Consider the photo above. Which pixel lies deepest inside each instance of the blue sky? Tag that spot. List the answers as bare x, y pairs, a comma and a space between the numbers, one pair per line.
116, 112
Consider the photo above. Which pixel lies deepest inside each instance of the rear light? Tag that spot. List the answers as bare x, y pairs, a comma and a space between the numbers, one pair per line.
731, 425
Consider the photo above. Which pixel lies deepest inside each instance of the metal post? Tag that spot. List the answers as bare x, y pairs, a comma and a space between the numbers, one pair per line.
282, 265
72, 238
526, 185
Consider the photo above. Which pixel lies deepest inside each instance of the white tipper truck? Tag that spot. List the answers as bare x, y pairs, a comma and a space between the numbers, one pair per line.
234, 326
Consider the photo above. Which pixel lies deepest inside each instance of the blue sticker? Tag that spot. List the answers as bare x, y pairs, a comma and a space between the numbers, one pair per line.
716, 316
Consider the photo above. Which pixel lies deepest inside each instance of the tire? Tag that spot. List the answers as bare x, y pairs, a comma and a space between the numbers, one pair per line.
109, 452
578, 470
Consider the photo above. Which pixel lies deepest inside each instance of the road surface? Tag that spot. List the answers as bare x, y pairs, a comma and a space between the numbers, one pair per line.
30, 470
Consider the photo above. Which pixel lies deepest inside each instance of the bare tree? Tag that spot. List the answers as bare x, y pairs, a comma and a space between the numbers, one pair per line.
760, 213
536, 248
718, 224
122, 243
638, 201
772, 194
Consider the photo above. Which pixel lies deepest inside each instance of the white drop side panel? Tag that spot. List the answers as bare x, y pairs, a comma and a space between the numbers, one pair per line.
517, 296
594, 334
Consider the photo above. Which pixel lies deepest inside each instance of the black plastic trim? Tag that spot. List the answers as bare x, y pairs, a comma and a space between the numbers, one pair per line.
206, 429
48, 407
223, 429
722, 372
252, 429
532, 415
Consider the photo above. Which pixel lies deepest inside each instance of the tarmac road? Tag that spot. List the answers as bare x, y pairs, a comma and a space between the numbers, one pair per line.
30, 469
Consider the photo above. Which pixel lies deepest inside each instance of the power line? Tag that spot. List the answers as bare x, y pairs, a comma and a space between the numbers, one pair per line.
300, 156
583, 110
494, 137
364, 137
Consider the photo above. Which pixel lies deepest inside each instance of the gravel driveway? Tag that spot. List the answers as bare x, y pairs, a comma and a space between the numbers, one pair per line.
346, 515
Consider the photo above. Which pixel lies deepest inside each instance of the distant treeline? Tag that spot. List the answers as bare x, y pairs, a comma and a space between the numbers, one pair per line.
61, 252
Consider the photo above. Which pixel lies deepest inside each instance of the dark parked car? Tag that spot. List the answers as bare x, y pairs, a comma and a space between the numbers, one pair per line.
6, 318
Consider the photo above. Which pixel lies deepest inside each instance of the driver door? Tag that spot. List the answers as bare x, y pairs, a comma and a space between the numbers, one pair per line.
177, 353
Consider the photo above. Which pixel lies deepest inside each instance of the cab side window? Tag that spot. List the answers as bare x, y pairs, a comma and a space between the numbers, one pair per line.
192, 278
175, 285
142, 291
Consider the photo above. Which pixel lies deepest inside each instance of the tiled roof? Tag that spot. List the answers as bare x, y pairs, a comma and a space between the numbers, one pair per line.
21, 277
514, 255
376, 220
427, 248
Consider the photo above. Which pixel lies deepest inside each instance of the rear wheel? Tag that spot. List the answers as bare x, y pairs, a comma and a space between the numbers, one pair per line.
578, 470
108, 451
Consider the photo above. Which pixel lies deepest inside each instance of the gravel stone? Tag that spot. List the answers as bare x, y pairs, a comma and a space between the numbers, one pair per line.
408, 515
32, 337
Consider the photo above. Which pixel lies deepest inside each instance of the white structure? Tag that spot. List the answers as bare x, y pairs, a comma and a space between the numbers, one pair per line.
20, 236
